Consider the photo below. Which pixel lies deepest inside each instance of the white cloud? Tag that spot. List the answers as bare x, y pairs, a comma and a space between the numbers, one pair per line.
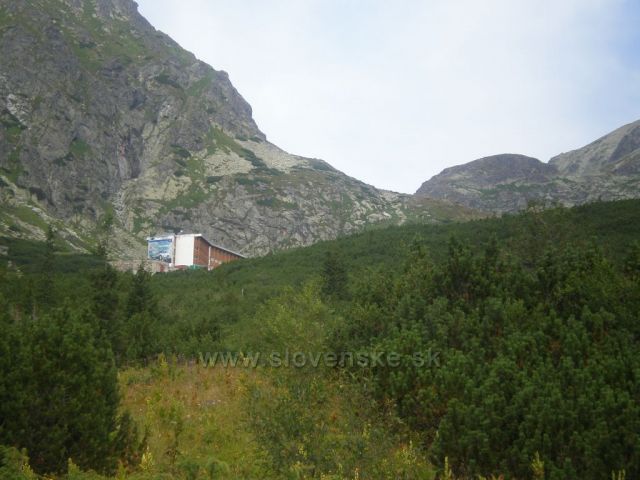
393, 92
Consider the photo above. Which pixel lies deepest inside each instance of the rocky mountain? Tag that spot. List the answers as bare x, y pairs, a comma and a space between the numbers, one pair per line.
615, 154
607, 169
102, 116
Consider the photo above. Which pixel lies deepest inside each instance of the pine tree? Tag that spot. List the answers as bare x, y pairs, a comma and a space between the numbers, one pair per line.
632, 262
15, 372
73, 412
105, 307
334, 276
142, 313
45, 295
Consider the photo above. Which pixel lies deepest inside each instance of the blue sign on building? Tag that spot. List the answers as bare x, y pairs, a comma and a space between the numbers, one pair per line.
160, 249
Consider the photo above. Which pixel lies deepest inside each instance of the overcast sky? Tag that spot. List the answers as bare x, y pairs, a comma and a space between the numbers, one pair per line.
392, 92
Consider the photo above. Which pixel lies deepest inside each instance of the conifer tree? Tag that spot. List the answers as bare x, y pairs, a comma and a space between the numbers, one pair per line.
142, 313
334, 276
632, 262
45, 295
105, 306
73, 411
15, 372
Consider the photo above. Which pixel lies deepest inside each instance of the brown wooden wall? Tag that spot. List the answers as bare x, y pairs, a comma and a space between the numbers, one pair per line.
207, 256
219, 256
200, 252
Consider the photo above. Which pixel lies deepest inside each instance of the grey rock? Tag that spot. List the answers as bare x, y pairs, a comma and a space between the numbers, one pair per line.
100, 112
607, 169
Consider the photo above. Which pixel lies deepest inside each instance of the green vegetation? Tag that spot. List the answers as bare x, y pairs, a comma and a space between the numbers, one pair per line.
192, 197
79, 148
248, 181
165, 79
15, 166
115, 42
525, 329
428, 210
198, 88
28, 255
140, 223
13, 131
228, 144
321, 165
4, 17
213, 179
25, 214
180, 152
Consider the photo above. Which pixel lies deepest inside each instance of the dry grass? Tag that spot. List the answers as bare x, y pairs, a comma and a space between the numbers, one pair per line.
198, 426
203, 408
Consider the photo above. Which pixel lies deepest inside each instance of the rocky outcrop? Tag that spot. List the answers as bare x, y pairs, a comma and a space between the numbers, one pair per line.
102, 115
607, 169
617, 153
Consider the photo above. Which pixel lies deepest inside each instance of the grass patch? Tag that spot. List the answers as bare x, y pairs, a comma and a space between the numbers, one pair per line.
79, 148
12, 125
228, 144
248, 181
15, 168
117, 43
320, 165
199, 87
139, 223
26, 215
180, 151
28, 255
165, 79
62, 161
191, 198
5, 19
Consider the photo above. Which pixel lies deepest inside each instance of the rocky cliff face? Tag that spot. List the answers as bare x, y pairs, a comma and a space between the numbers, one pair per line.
617, 153
102, 115
607, 169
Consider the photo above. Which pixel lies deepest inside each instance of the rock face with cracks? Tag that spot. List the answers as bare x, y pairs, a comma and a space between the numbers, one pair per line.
101, 115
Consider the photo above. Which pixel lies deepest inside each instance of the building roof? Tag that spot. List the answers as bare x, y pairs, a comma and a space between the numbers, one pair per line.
219, 247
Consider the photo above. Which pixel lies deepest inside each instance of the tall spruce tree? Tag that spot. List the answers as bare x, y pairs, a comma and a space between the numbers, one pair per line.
105, 305
142, 314
15, 374
632, 262
334, 276
45, 293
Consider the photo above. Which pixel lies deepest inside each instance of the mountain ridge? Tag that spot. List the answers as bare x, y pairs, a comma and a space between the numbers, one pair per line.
104, 117
606, 169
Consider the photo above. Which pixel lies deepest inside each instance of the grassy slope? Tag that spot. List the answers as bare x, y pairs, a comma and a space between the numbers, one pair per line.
201, 423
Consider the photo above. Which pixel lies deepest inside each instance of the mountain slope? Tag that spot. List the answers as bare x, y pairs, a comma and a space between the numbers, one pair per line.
617, 153
499, 179
607, 169
102, 116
